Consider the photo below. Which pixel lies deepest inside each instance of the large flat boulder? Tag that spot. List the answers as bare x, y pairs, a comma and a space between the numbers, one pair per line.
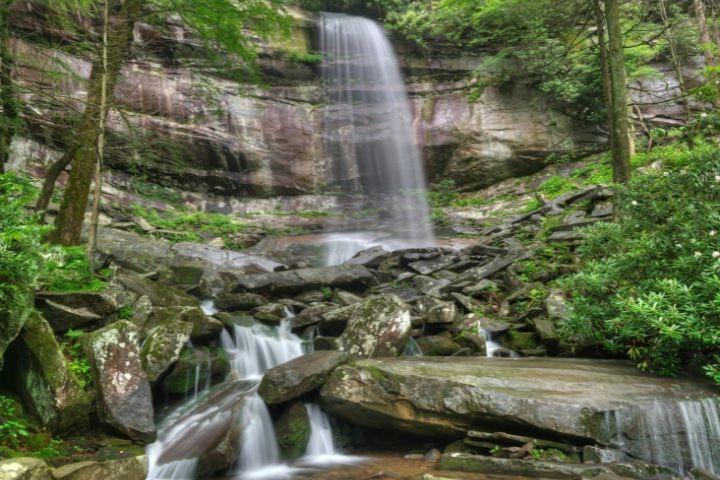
125, 399
303, 279
42, 375
299, 376
565, 399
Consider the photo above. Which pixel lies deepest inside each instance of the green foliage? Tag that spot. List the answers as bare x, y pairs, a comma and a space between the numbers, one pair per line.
555, 186
532, 205
649, 288
13, 428
327, 293
125, 312
78, 363
182, 226
21, 247
443, 194
66, 269
310, 58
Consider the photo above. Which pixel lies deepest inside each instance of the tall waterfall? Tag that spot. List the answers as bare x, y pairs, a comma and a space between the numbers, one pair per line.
369, 136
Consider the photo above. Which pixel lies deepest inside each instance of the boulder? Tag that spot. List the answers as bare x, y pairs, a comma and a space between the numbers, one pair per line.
349, 276
101, 303
163, 346
556, 306
11, 325
438, 345
345, 299
203, 327
553, 470
160, 295
45, 381
122, 385
312, 315
231, 302
292, 430
371, 258
426, 267
133, 468
299, 376
62, 318
558, 399
24, 468
378, 327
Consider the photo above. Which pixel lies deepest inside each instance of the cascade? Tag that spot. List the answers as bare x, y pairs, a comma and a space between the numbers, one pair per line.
369, 136
252, 349
680, 435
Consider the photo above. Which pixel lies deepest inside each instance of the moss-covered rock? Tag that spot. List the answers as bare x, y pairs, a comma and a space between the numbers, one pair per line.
293, 431
200, 366
45, 381
162, 348
377, 327
125, 399
133, 468
12, 323
517, 340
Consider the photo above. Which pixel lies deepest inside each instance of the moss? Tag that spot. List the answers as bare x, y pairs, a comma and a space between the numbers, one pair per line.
376, 373
293, 431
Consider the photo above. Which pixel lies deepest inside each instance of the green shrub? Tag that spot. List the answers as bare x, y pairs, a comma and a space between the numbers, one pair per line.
649, 287
77, 361
555, 186
13, 428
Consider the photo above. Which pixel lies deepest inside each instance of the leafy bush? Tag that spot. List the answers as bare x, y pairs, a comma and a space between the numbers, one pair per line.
555, 186
21, 246
649, 287
191, 226
78, 363
12, 425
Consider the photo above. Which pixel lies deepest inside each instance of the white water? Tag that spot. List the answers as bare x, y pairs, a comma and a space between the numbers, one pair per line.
491, 346
370, 138
412, 349
679, 435
321, 446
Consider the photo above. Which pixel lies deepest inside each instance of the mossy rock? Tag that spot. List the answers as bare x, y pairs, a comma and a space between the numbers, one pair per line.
517, 340
293, 431
43, 377
162, 348
209, 365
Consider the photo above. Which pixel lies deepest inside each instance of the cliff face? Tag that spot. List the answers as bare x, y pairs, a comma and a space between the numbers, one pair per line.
178, 125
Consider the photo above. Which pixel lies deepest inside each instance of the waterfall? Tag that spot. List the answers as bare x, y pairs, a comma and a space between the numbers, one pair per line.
679, 435
369, 136
252, 350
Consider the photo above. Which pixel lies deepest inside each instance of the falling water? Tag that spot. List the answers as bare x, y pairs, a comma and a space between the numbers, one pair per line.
679, 435
369, 135
491, 346
412, 349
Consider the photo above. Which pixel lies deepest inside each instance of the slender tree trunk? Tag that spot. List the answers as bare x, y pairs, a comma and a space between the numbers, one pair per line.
604, 67
8, 102
51, 176
618, 79
97, 195
705, 37
68, 224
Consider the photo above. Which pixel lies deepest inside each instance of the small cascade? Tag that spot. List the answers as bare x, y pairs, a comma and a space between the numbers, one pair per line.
412, 349
253, 350
678, 435
491, 346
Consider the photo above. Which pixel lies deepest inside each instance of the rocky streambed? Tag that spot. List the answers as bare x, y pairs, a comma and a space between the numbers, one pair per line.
446, 360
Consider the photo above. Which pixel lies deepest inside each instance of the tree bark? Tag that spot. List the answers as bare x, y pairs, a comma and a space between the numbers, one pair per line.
51, 176
97, 194
604, 67
618, 78
705, 37
8, 102
69, 222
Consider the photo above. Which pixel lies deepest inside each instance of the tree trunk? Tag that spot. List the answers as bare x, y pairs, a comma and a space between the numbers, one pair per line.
705, 37
8, 102
620, 123
97, 195
68, 224
51, 176
604, 67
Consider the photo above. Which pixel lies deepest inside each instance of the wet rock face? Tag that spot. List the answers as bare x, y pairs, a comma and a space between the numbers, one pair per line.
556, 398
378, 327
122, 385
162, 348
292, 429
